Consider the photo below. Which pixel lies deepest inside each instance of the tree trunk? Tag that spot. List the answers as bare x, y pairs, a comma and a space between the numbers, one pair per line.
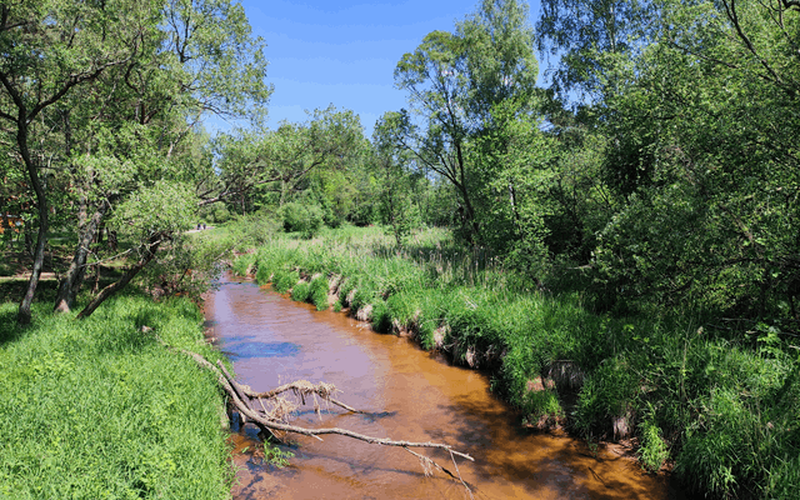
149, 252
470, 222
24, 313
77, 268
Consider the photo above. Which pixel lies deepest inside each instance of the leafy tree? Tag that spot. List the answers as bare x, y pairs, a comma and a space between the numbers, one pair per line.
151, 216
393, 164
118, 90
593, 40
49, 49
457, 83
701, 150
268, 168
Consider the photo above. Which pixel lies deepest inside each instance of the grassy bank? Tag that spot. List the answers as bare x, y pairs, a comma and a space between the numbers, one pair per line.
722, 405
97, 409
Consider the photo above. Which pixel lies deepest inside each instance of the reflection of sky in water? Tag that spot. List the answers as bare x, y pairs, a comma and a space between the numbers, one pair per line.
249, 350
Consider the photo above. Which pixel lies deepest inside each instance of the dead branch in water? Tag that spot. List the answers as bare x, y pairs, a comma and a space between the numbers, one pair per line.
253, 406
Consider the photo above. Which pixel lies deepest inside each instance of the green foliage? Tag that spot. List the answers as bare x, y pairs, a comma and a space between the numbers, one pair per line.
132, 151
467, 86
315, 163
99, 409
541, 405
608, 394
302, 218
164, 207
592, 239
284, 280
724, 409
221, 215
301, 291
319, 293
381, 319
252, 230
244, 264
592, 39
653, 450
275, 456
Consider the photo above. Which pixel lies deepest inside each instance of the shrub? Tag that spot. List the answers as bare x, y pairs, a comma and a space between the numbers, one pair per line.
244, 264
541, 405
284, 280
318, 293
381, 321
301, 291
302, 218
253, 230
607, 394
653, 450
221, 214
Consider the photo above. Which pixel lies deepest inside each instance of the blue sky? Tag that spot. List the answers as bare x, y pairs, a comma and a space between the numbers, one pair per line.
343, 53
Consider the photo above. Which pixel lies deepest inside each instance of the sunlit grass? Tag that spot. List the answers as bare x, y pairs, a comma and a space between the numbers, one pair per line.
99, 409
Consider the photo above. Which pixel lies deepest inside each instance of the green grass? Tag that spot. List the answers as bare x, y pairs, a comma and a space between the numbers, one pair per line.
99, 409
724, 407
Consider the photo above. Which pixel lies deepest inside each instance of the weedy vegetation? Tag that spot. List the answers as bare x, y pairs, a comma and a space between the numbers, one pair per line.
99, 409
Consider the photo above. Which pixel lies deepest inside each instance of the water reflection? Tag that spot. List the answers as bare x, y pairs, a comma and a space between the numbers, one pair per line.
244, 350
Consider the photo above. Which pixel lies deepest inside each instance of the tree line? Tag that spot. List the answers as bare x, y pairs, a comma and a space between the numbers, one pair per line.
656, 166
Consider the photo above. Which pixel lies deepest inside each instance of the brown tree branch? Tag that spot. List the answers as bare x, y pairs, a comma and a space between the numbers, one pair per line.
241, 396
149, 252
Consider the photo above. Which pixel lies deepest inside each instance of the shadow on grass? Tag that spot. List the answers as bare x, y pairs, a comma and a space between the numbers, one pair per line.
9, 330
11, 293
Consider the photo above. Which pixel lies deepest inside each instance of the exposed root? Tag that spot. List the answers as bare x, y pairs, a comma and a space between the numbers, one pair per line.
270, 412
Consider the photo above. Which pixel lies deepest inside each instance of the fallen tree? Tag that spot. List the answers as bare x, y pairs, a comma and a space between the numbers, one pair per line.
270, 411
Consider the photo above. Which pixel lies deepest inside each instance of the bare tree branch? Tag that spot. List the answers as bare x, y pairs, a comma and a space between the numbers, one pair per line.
241, 398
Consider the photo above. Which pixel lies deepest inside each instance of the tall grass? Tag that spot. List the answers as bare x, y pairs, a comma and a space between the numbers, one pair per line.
99, 409
725, 409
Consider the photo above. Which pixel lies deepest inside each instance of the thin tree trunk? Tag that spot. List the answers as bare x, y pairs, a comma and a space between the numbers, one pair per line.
149, 252
77, 268
24, 313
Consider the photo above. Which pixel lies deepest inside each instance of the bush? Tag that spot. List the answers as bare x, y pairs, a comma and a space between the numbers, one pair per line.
318, 293
284, 280
253, 230
221, 215
541, 405
244, 264
654, 451
301, 218
607, 394
381, 321
301, 291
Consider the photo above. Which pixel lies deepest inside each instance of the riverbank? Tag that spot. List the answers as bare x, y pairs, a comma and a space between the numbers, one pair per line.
722, 410
408, 393
99, 409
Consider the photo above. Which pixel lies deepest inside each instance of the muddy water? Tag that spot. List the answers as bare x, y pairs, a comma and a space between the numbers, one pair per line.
412, 395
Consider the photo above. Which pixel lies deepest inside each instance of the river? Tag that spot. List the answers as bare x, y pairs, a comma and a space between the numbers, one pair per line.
411, 395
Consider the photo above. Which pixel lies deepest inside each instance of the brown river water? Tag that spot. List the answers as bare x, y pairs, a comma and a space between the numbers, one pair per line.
410, 395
